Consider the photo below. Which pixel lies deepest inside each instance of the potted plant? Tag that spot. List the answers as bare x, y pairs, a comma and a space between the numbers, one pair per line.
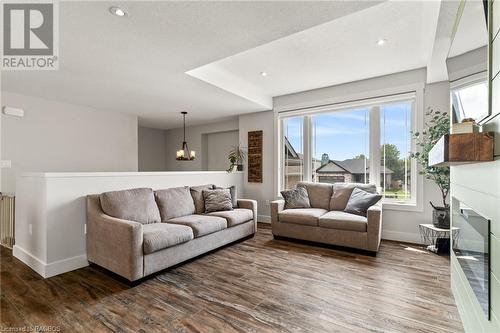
236, 157
437, 125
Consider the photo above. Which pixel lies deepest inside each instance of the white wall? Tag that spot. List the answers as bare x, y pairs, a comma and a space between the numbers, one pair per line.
403, 225
152, 149
216, 148
194, 137
262, 192
1, 156
399, 225
54, 136
472, 62
374, 87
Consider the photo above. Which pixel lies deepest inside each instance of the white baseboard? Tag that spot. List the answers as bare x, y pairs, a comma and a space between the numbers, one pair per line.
36, 264
264, 218
51, 269
408, 237
65, 265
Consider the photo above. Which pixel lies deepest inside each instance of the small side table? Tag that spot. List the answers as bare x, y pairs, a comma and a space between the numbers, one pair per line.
430, 234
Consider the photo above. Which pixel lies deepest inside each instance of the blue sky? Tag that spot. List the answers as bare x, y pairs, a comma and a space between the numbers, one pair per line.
344, 134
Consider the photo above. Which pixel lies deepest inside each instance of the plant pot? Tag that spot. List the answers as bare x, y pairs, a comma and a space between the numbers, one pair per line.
441, 217
240, 167
232, 168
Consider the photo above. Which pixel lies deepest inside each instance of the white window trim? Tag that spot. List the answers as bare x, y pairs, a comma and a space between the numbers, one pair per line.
415, 92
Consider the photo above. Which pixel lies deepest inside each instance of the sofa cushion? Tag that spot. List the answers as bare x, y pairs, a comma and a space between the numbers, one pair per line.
234, 194
343, 221
360, 201
174, 202
342, 193
201, 224
305, 216
296, 198
197, 194
136, 204
217, 200
236, 216
159, 236
319, 194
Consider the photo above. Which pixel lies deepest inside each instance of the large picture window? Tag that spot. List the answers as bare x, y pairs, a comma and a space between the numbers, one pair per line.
341, 146
293, 152
395, 147
365, 143
469, 98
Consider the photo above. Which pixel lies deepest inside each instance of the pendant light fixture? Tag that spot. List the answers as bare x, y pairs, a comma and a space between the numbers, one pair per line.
185, 154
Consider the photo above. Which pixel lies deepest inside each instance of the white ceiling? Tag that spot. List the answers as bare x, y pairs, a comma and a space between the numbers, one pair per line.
335, 52
138, 64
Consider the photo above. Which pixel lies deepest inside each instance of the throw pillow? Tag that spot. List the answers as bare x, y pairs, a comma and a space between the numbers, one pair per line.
296, 198
342, 192
197, 194
217, 200
234, 196
360, 201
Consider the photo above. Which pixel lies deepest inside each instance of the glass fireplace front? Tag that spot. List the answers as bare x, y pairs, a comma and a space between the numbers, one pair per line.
472, 250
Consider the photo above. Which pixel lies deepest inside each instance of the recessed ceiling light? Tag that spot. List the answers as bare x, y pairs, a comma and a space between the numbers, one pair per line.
381, 42
263, 73
117, 11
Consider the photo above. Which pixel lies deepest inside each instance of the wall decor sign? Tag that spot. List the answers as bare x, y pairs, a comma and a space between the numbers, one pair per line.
255, 156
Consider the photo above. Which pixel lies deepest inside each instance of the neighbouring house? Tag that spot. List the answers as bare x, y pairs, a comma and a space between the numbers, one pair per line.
353, 170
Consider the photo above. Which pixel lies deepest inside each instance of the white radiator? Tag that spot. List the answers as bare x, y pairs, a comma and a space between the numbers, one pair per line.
7, 208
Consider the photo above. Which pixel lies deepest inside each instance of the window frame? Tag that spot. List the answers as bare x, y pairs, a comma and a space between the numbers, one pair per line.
469, 81
281, 157
416, 95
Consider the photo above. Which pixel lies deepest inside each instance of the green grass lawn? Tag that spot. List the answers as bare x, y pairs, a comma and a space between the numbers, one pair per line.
396, 193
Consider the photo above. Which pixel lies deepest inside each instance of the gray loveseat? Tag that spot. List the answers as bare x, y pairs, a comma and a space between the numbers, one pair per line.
163, 228
326, 222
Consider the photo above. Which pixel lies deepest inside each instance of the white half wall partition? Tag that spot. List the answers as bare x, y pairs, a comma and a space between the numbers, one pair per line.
51, 210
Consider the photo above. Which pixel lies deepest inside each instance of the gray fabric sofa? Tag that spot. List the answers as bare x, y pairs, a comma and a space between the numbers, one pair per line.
159, 229
326, 222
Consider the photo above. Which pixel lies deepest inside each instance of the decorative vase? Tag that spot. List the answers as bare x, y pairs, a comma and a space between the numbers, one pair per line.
441, 217
240, 167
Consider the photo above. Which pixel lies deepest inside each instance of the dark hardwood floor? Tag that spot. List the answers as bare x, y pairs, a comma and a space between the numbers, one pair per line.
259, 285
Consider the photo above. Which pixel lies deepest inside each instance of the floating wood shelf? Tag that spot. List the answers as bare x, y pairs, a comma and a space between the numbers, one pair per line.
462, 148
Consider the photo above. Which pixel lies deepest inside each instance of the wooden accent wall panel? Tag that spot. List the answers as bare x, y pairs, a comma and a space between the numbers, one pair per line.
255, 156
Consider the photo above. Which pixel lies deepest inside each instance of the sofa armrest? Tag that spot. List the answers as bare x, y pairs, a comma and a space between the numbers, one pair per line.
249, 204
374, 219
276, 207
113, 243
